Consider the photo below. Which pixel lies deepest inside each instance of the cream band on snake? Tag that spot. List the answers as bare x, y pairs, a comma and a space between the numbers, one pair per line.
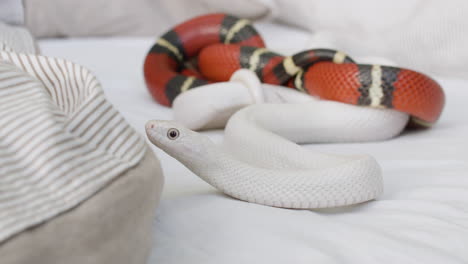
255, 58
186, 85
290, 67
339, 57
170, 47
236, 28
298, 81
375, 90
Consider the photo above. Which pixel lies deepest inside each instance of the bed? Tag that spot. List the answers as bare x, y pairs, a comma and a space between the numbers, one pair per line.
421, 218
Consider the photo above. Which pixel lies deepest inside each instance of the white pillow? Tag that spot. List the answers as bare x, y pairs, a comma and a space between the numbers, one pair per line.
17, 38
71, 18
11, 11
428, 36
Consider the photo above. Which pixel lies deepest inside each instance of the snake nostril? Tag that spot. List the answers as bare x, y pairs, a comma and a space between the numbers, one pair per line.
150, 126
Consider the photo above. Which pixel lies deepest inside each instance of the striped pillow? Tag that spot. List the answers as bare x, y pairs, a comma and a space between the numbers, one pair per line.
60, 139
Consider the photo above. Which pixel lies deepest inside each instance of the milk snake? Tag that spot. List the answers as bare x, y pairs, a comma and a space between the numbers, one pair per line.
211, 47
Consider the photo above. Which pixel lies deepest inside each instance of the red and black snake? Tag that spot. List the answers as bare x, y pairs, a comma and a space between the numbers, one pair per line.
212, 47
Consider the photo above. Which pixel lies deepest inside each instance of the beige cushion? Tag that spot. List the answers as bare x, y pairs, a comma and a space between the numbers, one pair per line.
113, 226
71, 18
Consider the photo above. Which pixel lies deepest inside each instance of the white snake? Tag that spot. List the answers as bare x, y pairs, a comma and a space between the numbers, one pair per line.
258, 161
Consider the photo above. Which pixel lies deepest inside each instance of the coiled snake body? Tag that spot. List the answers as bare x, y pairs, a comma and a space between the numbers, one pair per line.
257, 161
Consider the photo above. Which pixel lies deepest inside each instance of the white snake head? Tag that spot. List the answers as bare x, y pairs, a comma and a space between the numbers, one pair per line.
181, 143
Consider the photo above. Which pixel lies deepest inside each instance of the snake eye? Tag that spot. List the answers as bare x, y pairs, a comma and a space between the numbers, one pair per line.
173, 133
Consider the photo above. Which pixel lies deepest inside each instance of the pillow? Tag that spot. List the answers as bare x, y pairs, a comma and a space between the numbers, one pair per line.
122, 17
17, 38
71, 18
11, 12
428, 36
78, 184
113, 226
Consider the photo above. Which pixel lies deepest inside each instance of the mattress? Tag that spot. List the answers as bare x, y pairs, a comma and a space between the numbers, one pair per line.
421, 218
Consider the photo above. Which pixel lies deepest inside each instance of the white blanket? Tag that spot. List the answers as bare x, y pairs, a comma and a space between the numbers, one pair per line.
421, 218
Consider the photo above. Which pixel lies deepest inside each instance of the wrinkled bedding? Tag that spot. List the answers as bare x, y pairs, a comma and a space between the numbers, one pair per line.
421, 218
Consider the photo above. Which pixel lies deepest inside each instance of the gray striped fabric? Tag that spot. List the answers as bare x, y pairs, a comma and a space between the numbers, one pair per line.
60, 139
5, 47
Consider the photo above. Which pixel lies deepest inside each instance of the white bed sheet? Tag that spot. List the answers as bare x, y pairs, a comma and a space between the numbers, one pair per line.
421, 218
